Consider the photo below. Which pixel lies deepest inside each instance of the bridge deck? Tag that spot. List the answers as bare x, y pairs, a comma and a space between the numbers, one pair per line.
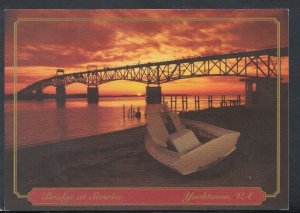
164, 71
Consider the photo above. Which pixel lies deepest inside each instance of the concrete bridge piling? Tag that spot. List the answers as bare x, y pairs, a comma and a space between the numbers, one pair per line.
153, 95
60, 94
92, 94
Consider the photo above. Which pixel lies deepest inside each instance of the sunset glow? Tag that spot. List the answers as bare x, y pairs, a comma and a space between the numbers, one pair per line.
44, 46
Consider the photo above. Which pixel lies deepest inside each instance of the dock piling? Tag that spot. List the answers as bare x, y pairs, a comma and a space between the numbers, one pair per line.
223, 101
173, 100
210, 101
184, 102
197, 102
123, 111
238, 100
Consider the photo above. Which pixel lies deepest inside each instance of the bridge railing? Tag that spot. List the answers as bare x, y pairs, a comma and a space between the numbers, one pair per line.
157, 74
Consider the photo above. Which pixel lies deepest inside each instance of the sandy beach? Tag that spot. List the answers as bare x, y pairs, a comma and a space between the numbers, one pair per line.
120, 158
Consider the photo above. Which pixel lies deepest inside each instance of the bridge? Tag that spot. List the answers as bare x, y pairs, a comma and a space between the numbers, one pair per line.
253, 64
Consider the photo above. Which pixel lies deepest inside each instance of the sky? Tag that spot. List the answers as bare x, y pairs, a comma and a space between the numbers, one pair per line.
44, 47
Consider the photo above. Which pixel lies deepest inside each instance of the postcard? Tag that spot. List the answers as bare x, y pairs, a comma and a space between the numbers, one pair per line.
146, 109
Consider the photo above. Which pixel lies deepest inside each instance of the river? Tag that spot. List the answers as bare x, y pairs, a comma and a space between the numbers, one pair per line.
44, 122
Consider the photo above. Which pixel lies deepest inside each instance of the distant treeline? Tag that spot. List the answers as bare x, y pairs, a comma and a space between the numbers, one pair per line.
48, 96
53, 96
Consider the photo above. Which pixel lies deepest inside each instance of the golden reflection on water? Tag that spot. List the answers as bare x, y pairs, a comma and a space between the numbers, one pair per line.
44, 122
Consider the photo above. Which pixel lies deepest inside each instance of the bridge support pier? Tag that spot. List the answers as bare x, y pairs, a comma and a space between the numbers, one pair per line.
60, 95
153, 95
92, 95
39, 94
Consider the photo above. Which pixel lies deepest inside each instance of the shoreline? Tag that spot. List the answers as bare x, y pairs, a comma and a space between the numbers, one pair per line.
22, 147
119, 159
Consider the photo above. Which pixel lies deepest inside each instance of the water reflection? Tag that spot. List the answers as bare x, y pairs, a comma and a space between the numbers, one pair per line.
60, 104
46, 121
61, 123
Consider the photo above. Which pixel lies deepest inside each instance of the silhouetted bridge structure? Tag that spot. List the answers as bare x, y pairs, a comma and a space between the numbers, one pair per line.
253, 64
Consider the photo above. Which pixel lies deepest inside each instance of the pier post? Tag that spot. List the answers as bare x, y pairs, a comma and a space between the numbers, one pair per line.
92, 94
153, 95
197, 102
124, 111
223, 101
60, 94
238, 100
184, 103
39, 94
173, 100
210, 101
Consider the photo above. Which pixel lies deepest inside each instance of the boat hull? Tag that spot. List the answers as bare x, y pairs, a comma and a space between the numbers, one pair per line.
199, 158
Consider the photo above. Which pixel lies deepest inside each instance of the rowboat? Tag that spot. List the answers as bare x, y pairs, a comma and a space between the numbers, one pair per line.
186, 146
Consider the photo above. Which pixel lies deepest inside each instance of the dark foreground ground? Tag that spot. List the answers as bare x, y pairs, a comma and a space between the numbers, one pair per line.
120, 159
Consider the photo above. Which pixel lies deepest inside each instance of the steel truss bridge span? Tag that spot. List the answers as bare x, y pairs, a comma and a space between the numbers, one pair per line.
256, 63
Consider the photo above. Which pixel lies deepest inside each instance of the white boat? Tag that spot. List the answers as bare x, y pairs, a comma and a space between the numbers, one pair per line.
186, 146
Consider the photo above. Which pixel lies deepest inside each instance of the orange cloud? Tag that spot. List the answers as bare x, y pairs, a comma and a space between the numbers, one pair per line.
45, 46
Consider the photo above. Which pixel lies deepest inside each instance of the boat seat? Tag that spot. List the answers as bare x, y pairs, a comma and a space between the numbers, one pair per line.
184, 141
175, 119
166, 129
156, 127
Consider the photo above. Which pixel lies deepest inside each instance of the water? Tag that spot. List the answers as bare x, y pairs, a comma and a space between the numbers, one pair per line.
43, 122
